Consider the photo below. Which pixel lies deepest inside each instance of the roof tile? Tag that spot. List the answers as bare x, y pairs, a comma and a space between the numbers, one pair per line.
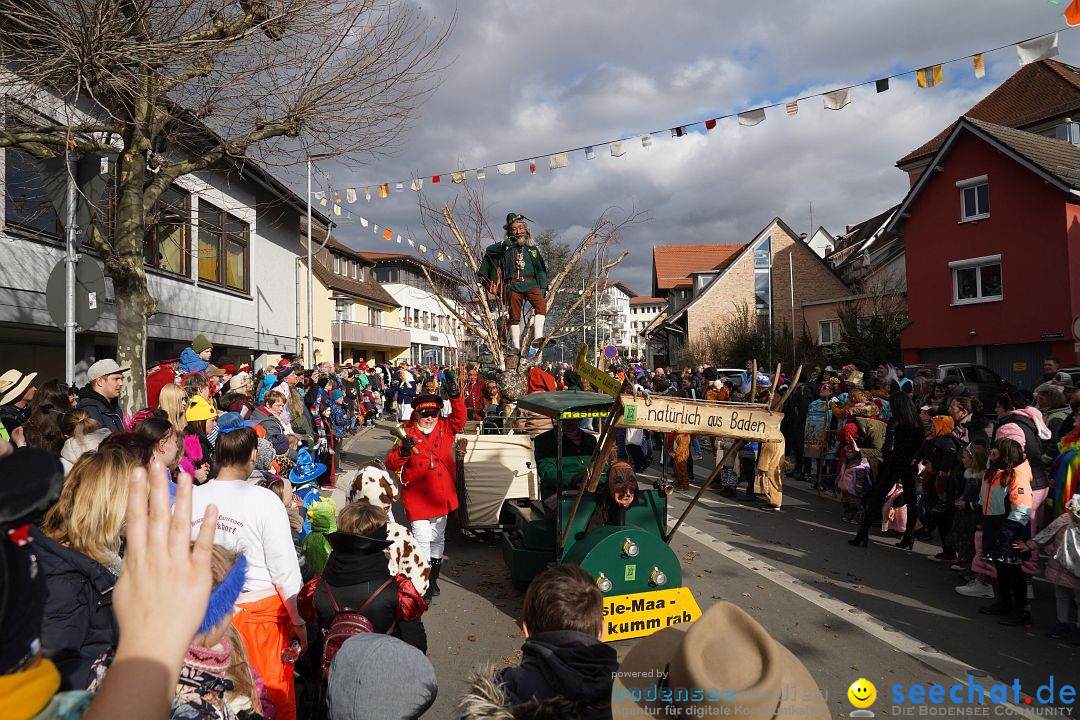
1034, 94
672, 264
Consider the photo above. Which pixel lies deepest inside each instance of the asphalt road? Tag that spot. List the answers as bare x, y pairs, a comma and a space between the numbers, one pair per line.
882, 613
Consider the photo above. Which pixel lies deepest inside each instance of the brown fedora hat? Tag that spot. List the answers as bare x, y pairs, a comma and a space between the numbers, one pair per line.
723, 660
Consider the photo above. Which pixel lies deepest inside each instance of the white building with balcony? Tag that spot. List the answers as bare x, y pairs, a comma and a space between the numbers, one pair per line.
643, 310
436, 337
354, 317
613, 316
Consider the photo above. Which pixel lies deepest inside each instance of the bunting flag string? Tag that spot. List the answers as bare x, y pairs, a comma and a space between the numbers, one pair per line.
1029, 50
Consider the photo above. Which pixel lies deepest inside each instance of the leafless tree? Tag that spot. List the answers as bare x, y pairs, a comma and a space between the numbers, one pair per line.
179, 86
460, 232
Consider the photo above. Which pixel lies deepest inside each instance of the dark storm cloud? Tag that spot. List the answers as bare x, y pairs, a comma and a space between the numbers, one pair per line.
525, 79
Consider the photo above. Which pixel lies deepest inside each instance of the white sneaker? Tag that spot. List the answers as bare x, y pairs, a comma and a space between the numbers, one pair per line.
975, 589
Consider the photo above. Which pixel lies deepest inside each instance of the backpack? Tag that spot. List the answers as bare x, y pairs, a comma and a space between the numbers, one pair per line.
346, 623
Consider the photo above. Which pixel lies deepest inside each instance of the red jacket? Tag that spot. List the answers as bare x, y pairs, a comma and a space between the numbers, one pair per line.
430, 492
474, 395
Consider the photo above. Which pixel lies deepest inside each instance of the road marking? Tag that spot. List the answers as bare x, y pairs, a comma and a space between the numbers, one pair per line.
936, 659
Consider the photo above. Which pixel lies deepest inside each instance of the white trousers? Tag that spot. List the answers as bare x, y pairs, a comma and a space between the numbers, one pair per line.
430, 536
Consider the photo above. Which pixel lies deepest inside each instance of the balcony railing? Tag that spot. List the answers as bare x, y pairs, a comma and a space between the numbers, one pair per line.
358, 333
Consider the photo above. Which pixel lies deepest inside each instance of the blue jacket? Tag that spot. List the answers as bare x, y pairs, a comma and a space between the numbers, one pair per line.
191, 362
339, 418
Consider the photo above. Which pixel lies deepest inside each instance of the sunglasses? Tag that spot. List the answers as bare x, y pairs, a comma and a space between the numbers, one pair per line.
428, 413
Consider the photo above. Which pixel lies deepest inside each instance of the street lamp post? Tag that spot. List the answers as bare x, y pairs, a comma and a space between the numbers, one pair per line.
308, 354
309, 350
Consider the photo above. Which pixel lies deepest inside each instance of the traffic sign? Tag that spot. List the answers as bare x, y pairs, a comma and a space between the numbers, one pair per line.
89, 293
610, 352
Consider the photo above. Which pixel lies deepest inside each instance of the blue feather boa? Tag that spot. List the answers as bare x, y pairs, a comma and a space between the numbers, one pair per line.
223, 596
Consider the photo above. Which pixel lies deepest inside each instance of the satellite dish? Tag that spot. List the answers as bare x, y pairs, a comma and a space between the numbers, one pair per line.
89, 293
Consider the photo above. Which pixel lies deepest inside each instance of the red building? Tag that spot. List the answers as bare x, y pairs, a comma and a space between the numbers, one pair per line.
991, 232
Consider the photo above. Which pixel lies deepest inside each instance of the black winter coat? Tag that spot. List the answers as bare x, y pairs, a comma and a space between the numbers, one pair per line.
353, 577
567, 664
79, 625
106, 413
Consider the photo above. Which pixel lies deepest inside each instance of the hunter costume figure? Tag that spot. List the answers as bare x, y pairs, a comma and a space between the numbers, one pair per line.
514, 271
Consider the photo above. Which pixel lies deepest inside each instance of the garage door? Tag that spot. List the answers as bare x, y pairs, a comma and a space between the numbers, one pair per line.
1019, 364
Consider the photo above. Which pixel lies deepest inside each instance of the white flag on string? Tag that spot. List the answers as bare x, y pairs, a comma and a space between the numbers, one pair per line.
506, 168
1038, 49
837, 99
752, 117
558, 160
617, 150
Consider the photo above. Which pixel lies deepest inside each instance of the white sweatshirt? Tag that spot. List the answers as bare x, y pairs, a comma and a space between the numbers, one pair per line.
253, 520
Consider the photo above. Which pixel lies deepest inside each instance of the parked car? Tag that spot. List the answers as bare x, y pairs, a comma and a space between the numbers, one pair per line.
976, 380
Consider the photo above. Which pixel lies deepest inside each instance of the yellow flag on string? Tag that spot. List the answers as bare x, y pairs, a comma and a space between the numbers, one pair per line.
929, 77
980, 65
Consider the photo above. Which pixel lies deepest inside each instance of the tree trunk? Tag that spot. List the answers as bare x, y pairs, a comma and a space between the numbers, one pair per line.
125, 266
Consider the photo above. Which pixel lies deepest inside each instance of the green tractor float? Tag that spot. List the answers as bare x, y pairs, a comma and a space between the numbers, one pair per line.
625, 549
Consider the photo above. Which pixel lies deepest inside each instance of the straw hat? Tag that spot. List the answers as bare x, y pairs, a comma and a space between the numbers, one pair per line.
725, 660
13, 384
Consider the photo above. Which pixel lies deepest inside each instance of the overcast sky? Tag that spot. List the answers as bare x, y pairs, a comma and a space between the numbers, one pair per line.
527, 79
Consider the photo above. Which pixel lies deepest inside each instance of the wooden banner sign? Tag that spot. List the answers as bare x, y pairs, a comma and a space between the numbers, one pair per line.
731, 420
640, 614
598, 378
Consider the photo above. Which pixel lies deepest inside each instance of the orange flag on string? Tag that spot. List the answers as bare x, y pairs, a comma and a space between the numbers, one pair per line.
1072, 13
387, 234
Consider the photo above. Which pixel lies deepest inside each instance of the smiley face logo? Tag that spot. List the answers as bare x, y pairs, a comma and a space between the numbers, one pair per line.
862, 693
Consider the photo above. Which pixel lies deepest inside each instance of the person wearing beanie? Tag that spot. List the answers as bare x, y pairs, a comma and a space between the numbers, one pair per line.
1005, 502
341, 420
197, 357
380, 676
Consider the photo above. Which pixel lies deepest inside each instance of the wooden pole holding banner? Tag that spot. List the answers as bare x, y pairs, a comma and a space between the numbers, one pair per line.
715, 474
605, 384
596, 465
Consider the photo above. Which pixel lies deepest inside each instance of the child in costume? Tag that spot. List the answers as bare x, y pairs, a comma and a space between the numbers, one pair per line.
1062, 539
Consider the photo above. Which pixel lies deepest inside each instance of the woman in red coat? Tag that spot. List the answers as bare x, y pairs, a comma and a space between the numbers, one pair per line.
428, 470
